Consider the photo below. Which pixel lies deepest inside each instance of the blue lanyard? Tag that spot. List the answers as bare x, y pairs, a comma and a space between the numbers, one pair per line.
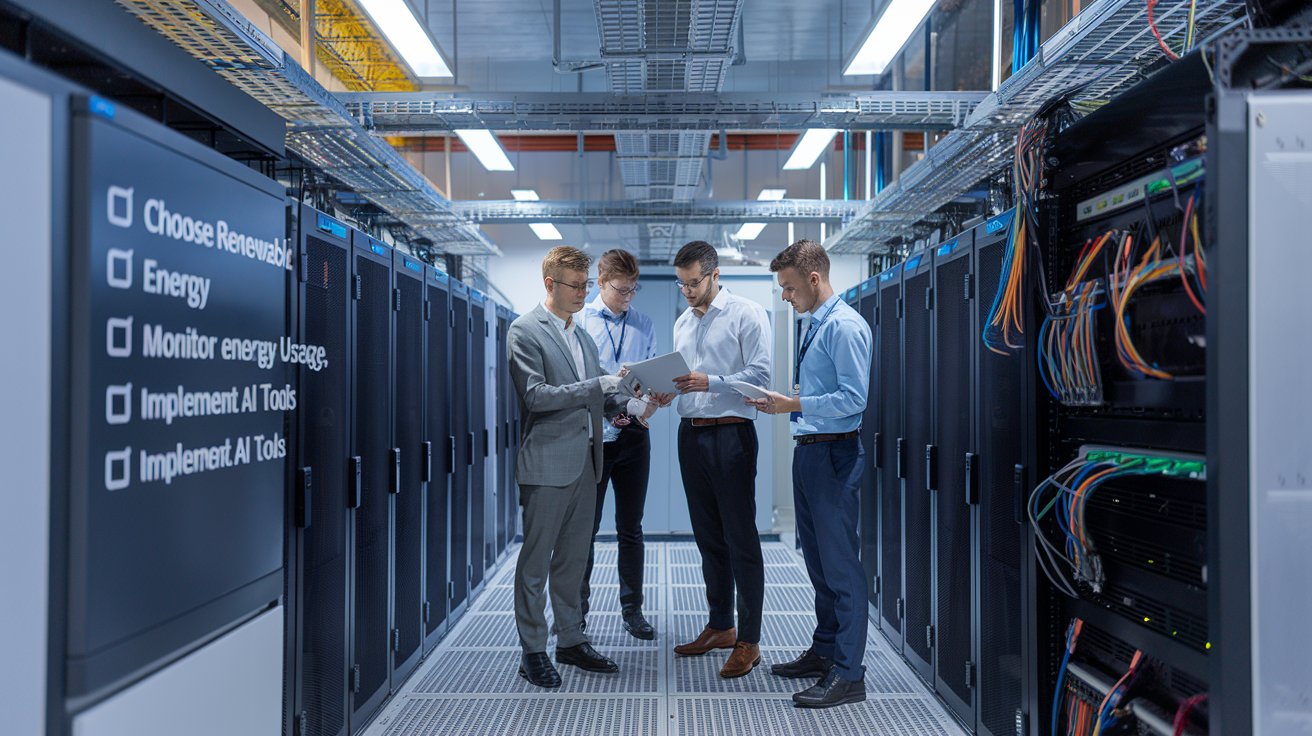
806, 345
624, 326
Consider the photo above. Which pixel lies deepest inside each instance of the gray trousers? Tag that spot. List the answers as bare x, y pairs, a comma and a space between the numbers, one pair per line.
557, 539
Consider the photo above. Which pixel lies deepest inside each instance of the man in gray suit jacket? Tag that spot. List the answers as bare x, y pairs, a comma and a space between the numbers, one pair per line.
562, 398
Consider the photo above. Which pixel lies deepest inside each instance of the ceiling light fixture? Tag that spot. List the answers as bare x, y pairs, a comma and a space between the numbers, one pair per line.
544, 230
808, 148
890, 33
398, 23
750, 230
485, 146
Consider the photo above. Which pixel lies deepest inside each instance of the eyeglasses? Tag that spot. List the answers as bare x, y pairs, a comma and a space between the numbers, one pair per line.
625, 292
585, 286
691, 285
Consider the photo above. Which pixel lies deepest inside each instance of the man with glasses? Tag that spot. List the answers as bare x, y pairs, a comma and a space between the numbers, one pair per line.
563, 396
724, 338
623, 335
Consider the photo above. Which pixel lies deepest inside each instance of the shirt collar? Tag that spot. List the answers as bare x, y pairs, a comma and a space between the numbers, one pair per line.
557, 321
823, 309
720, 300
598, 305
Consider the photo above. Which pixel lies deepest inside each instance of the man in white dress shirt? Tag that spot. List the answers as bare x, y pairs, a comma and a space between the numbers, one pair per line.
724, 338
623, 336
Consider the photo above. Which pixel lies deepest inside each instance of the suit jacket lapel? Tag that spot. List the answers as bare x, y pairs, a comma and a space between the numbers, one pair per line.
554, 335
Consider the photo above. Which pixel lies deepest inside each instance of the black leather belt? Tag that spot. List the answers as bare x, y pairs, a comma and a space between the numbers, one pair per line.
811, 439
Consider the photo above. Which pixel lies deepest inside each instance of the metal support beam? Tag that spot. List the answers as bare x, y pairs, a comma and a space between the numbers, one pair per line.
704, 211
428, 112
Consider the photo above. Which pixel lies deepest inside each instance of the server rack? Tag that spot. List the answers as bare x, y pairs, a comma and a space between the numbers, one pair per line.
916, 456
375, 462
324, 520
461, 570
950, 468
1000, 420
866, 304
413, 456
438, 586
480, 541
1148, 591
888, 457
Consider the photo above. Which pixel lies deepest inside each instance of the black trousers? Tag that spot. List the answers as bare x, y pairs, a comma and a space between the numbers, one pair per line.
718, 465
627, 465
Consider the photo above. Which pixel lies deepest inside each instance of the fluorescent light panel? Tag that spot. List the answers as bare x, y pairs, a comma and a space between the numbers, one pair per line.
899, 20
809, 147
544, 230
751, 230
398, 23
485, 146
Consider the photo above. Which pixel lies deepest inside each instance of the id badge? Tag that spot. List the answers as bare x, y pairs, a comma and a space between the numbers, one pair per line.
795, 416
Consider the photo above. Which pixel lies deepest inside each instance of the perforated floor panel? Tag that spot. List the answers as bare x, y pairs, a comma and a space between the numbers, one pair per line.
470, 683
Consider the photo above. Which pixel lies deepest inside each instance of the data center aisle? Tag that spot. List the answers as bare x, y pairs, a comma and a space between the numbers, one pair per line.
469, 683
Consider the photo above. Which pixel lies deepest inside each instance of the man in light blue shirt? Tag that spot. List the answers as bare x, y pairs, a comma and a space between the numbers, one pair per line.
623, 335
826, 405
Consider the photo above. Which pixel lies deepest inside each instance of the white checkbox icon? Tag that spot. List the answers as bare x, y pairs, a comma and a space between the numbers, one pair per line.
118, 404
118, 337
118, 206
118, 268
118, 469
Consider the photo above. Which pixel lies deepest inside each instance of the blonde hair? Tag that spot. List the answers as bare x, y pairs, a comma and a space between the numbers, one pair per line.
564, 258
617, 263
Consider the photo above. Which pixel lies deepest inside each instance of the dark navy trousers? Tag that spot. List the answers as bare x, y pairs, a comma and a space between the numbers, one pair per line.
827, 500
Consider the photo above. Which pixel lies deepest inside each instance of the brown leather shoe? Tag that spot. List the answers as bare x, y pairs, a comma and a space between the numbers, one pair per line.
706, 641
745, 656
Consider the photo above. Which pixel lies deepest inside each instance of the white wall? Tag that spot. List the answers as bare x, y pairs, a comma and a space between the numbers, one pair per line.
25, 300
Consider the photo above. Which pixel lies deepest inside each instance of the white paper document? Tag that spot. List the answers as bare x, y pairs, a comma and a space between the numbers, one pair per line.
656, 375
747, 389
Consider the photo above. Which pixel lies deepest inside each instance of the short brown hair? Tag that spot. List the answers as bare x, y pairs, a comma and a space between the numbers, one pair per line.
807, 256
700, 252
564, 258
617, 264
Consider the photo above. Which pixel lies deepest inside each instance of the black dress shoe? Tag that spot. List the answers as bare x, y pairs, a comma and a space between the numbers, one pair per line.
831, 691
637, 625
810, 665
585, 657
536, 667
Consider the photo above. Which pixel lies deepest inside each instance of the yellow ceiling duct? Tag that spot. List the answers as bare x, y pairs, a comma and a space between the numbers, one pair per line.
348, 44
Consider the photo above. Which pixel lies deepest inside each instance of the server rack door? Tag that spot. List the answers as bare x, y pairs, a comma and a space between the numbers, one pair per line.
954, 517
437, 514
503, 435
372, 443
324, 430
866, 304
460, 569
889, 450
917, 499
412, 454
479, 542
1000, 438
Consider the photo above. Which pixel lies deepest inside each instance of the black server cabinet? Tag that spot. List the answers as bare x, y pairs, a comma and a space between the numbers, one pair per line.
952, 476
325, 482
1000, 417
504, 495
412, 455
867, 303
480, 542
461, 571
441, 443
918, 436
374, 459
889, 460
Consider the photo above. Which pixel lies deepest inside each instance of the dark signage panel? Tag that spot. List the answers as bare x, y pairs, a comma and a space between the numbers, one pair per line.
187, 371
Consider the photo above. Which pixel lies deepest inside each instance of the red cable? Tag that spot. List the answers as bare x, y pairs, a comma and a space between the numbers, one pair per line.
1152, 25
